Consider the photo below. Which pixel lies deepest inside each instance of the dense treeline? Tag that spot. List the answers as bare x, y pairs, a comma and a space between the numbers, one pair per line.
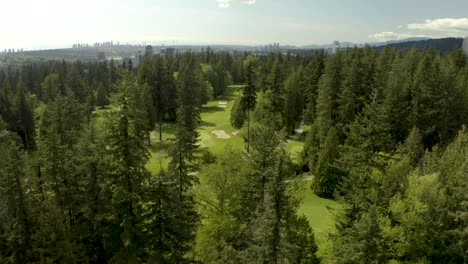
380, 141
384, 137
75, 185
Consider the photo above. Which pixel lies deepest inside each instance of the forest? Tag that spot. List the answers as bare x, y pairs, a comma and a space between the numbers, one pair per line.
384, 137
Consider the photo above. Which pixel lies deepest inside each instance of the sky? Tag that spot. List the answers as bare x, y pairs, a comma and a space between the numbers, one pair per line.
42, 24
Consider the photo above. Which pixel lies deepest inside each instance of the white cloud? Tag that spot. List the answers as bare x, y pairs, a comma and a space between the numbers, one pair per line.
388, 35
442, 25
437, 28
228, 3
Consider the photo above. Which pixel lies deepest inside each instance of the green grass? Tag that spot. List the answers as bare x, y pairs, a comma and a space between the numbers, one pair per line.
294, 149
213, 118
320, 213
158, 149
217, 118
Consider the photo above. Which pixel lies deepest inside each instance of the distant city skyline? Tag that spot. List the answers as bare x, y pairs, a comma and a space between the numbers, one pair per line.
50, 24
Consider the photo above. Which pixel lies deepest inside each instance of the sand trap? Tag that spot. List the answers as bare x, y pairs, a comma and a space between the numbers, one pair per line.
222, 104
236, 133
220, 134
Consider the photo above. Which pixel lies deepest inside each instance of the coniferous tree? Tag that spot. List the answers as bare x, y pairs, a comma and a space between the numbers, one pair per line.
294, 103
182, 153
7, 103
275, 85
50, 87
220, 201
101, 96
275, 220
350, 98
312, 74
24, 117
91, 171
237, 115
249, 93
15, 229
326, 112
188, 119
127, 180
76, 84
327, 176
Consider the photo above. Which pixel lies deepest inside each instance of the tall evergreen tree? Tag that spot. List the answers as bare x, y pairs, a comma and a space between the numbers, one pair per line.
25, 126
327, 176
127, 180
326, 112
294, 103
249, 93
15, 229
312, 74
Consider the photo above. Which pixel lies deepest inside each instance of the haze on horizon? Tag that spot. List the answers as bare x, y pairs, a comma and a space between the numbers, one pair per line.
47, 24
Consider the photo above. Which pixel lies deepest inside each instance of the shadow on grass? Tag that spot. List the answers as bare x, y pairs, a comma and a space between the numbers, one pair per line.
231, 92
207, 124
167, 128
161, 145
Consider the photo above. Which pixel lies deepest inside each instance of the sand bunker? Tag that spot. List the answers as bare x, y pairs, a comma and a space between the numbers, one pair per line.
220, 134
222, 104
236, 133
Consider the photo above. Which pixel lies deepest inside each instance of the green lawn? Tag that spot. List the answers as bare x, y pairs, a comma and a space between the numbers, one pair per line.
217, 118
320, 213
158, 149
295, 148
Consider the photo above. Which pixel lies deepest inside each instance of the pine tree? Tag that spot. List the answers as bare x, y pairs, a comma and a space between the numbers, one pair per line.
188, 119
128, 156
329, 85
76, 84
50, 87
327, 176
182, 153
169, 221
14, 208
275, 221
6, 104
149, 110
413, 147
249, 93
101, 96
350, 98
312, 74
275, 85
25, 120
59, 131
91, 169
237, 115
164, 97
294, 103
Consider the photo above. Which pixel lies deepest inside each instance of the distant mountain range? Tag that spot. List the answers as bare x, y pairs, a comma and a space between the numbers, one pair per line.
352, 44
443, 45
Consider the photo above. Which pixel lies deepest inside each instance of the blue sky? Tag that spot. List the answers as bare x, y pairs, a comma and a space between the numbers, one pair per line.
34, 24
